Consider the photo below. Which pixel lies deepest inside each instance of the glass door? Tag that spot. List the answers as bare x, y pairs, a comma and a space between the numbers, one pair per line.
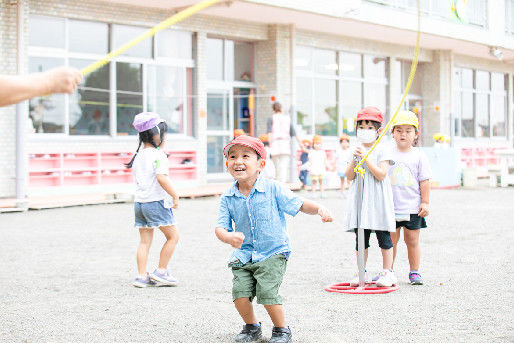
244, 109
219, 128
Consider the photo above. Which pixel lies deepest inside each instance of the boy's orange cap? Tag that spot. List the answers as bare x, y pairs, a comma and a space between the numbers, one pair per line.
344, 137
306, 142
316, 139
264, 138
239, 132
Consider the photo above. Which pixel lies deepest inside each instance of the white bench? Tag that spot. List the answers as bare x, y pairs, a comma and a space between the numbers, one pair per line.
506, 172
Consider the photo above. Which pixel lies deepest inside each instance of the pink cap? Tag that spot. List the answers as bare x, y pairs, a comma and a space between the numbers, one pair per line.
146, 120
251, 142
370, 113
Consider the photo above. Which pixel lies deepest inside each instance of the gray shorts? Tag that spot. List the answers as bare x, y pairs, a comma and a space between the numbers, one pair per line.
153, 214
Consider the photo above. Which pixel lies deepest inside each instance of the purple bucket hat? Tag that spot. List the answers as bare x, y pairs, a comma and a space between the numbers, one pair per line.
146, 120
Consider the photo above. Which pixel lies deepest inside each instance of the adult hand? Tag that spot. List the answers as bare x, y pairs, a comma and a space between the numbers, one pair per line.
62, 79
175, 202
236, 239
423, 210
325, 215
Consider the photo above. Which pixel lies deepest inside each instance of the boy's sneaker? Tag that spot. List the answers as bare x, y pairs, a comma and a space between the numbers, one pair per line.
415, 278
143, 282
387, 279
281, 335
164, 279
250, 333
354, 282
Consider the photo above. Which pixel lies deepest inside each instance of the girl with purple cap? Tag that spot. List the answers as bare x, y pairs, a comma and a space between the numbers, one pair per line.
154, 199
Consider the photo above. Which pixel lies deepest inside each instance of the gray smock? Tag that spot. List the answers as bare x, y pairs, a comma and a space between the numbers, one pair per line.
377, 210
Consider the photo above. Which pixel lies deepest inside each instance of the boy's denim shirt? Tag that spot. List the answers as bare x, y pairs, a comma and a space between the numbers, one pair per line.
260, 217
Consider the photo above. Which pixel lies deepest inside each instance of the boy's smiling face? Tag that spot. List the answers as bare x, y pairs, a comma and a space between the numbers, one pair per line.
243, 163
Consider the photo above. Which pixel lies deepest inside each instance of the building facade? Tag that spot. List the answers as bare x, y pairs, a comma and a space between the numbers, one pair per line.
221, 69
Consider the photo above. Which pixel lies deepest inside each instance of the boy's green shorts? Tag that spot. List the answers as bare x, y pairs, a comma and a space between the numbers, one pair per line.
261, 279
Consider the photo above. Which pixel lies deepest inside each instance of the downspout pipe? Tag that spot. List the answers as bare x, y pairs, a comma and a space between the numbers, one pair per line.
21, 108
293, 177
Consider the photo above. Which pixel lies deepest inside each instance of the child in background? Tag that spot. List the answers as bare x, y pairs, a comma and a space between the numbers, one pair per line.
304, 158
269, 171
239, 132
343, 157
154, 199
410, 179
251, 219
317, 164
373, 190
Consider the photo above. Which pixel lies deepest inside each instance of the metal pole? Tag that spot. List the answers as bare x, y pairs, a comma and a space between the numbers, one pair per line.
292, 170
21, 108
360, 230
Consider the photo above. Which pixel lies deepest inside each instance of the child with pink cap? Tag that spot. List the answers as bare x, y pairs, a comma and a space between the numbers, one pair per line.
252, 220
154, 199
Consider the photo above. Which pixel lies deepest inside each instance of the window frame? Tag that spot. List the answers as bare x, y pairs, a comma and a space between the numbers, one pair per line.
459, 90
363, 80
66, 55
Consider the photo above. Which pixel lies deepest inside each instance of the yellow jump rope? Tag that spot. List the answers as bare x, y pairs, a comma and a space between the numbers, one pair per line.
358, 168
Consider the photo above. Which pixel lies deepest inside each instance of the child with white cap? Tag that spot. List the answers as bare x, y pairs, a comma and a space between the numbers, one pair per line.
154, 199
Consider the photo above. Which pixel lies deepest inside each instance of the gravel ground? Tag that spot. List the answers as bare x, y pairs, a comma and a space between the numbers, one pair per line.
66, 277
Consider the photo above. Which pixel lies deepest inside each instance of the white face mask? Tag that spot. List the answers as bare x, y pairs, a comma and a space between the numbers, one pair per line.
366, 136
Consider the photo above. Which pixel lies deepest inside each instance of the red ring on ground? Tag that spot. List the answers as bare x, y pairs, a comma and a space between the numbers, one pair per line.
370, 288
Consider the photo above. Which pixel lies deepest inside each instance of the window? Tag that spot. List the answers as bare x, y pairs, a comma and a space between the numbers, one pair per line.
499, 104
243, 61
129, 95
215, 69
130, 84
479, 103
89, 105
46, 32
350, 64
88, 37
167, 94
304, 111
332, 86
325, 107
325, 62
170, 42
229, 60
47, 112
123, 34
509, 16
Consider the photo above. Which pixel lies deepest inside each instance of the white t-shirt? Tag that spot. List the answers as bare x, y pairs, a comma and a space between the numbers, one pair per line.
317, 162
269, 169
343, 158
148, 163
410, 169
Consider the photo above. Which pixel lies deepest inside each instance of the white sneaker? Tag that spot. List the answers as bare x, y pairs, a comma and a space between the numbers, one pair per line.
387, 279
354, 282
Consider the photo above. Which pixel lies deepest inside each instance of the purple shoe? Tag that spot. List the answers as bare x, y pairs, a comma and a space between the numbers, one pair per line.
142, 283
164, 279
415, 278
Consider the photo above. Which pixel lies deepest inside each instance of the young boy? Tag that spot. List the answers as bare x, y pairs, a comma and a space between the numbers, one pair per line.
256, 207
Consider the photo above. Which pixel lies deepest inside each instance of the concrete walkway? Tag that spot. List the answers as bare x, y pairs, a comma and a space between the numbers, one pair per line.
66, 277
